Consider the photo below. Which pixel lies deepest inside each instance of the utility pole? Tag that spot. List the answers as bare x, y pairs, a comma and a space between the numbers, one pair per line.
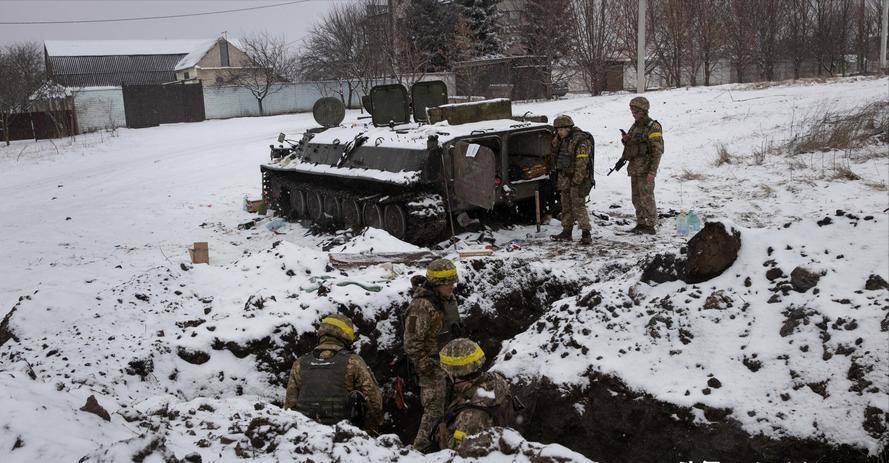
640, 46
883, 36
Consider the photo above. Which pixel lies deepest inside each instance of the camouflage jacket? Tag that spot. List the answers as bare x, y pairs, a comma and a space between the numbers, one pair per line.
644, 147
464, 417
572, 155
425, 327
358, 378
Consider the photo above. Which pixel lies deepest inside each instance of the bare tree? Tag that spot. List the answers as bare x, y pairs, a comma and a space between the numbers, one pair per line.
596, 44
271, 64
867, 27
21, 74
767, 20
740, 35
542, 32
671, 35
406, 59
797, 34
626, 29
708, 33
823, 35
348, 46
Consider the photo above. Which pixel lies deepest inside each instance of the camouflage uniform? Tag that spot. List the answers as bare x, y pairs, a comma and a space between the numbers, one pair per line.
574, 184
357, 377
471, 408
572, 157
431, 321
643, 149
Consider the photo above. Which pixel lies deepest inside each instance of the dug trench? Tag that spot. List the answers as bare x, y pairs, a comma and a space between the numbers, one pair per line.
604, 420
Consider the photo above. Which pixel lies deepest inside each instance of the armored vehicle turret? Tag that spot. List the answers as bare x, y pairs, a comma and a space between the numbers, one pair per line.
408, 177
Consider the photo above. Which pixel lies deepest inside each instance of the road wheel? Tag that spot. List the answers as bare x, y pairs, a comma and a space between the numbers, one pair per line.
351, 211
373, 215
395, 221
298, 204
331, 208
314, 206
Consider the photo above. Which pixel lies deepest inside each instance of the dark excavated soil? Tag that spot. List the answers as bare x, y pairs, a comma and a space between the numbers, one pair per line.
619, 425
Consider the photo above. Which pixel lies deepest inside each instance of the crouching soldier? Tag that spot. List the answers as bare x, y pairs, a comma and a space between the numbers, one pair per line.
331, 383
478, 399
432, 320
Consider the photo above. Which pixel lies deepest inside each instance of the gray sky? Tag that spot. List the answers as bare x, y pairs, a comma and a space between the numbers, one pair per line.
292, 21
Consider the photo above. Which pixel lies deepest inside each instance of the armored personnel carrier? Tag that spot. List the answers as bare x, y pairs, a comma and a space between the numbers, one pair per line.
410, 178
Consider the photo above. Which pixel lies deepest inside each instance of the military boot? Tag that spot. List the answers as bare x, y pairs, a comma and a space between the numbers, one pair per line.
564, 236
585, 237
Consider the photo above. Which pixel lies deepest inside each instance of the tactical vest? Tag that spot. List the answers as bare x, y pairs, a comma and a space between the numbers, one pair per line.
451, 314
322, 394
637, 144
567, 149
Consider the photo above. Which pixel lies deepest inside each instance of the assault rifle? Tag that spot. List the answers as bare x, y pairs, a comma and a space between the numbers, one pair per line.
620, 162
617, 166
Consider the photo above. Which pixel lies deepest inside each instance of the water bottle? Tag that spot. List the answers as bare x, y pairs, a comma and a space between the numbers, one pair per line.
682, 223
694, 222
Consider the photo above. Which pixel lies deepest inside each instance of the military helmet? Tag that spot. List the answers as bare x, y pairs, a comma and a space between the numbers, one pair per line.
640, 102
461, 357
441, 272
563, 121
339, 326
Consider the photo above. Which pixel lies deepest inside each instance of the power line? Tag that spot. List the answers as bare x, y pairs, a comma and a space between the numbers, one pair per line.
147, 18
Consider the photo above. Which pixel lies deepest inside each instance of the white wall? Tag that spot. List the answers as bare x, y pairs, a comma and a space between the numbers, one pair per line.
225, 102
99, 108
232, 101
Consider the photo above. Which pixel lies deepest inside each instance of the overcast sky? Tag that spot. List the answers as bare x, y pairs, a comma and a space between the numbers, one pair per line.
292, 21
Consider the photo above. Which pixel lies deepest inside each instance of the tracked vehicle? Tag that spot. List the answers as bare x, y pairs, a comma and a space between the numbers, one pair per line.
409, 178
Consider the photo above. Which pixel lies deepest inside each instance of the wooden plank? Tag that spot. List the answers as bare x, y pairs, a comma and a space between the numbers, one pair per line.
344, 259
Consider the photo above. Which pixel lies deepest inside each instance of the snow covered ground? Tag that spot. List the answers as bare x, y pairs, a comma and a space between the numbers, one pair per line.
93, 245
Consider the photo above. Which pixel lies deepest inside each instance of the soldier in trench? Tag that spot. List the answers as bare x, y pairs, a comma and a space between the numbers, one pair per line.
331, 383
477, 399
431, 321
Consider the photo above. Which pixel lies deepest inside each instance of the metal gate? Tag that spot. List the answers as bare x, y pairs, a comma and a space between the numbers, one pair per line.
153, 104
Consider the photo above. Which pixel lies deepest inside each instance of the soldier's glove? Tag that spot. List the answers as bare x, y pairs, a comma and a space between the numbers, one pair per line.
457, 330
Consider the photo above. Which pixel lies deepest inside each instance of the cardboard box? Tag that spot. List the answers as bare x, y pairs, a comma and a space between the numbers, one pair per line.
256, 206
199, 253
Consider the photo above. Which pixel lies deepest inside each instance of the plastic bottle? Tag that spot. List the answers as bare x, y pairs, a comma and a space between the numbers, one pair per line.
682, 223
694, 222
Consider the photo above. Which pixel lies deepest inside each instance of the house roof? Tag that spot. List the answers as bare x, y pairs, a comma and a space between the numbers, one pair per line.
80, 63
121, 47
199, 51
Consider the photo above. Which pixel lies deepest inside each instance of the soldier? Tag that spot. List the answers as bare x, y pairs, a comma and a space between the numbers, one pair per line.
331, 383
432, 320
478, 398
643, 147
571, 149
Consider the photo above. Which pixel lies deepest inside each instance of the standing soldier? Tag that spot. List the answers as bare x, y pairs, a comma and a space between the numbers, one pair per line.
479, 399
572, 149
432, 320
643, 147
331, 384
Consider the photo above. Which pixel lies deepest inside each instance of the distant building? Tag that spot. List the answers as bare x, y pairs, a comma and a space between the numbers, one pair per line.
90, 63
212, 62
